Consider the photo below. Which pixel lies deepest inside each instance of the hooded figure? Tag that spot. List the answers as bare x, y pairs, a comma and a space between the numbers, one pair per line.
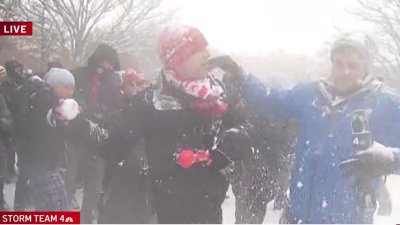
98, 91
10, 86
101, 54
15, 70
98, 84
15, 79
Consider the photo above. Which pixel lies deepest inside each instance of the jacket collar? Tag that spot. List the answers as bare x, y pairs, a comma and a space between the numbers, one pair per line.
368, 85
168, 97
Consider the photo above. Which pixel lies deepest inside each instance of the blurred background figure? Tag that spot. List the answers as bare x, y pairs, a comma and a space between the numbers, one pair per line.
133, 82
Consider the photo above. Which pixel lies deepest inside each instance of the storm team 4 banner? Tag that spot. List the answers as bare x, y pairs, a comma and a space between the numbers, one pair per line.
39, 217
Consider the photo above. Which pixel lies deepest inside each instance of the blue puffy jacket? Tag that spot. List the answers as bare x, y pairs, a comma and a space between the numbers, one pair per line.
319, 192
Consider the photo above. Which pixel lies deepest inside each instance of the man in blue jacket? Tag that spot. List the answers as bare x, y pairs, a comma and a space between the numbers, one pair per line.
320, 191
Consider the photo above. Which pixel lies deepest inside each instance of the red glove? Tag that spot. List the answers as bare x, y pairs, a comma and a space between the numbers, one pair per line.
131, 76
187, 157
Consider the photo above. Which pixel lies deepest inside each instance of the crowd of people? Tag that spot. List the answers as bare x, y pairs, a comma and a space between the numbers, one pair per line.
165, 151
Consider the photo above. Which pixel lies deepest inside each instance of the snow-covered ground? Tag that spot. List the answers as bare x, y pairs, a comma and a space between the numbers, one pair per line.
272, 216
393, 183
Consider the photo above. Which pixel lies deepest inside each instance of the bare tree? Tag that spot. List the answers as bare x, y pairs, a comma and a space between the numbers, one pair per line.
7, 10
7, 13
139, 38
71, 26
384, 15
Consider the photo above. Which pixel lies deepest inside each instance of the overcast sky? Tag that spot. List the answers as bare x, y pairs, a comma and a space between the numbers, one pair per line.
296, 26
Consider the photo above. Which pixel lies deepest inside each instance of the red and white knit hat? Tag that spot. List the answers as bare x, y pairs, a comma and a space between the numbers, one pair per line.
177, 43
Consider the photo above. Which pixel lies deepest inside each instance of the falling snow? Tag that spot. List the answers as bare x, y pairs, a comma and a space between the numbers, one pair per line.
299, 184
324, 204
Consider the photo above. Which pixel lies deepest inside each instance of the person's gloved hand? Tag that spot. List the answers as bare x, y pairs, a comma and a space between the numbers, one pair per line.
187, 157
219, 160
214, 159
374, 162
235, 143
228, 65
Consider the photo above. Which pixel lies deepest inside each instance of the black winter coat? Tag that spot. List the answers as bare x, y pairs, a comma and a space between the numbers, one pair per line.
164, 133
44, 144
